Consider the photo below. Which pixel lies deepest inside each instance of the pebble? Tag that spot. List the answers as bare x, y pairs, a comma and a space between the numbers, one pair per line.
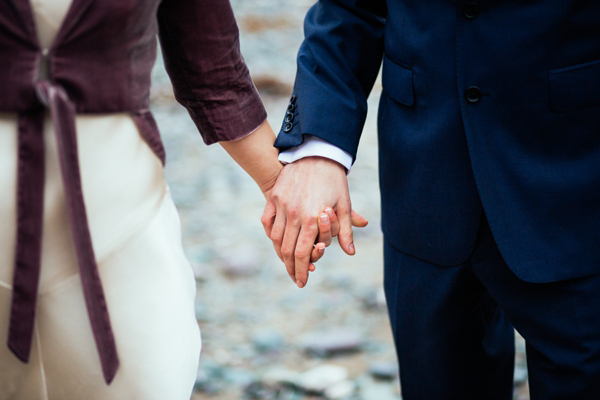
319, 379
384, 370
520, 374
239, 377
373, 390
268, 341
374, 300
340, 390
200, 271
324, 344
241, 262
280, 376
202, 312
339, 281
259, 391
209, 379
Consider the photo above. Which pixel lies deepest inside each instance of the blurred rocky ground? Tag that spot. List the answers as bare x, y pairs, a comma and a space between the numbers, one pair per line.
263, 338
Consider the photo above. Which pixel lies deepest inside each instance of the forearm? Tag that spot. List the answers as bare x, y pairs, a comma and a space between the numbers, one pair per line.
257, 156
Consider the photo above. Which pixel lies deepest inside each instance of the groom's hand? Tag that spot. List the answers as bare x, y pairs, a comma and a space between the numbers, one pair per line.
303, 190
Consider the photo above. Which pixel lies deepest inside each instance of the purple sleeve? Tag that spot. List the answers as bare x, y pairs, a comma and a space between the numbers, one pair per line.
200, 44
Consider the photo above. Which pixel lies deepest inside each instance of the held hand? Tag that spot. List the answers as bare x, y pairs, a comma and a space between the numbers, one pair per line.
329, 225
303, 190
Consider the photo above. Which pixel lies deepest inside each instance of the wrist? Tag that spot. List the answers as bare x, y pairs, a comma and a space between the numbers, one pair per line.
267, 181
321, 162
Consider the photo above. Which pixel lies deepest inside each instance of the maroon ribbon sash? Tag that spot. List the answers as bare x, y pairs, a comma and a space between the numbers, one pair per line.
30, 205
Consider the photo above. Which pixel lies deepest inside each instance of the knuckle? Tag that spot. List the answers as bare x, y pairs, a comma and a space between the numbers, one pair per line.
265, 220
275, 237
306, 242
301, 254
287, 251
275, 196
309, 221
293, 211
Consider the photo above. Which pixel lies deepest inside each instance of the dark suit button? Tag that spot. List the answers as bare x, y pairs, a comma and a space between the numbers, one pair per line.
289, 117
473, 94
293, 99
291, 107
288, 127
471, 10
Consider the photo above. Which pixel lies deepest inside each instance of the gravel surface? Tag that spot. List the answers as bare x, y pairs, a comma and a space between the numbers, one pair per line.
258, 328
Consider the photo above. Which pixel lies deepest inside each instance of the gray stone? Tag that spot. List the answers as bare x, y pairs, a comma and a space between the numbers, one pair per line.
520, 374
244, 351
202, 380
373, 390
384, 370
259, 391
324, 344
280, 376
319, 379
241, 262
209, 379
239, 377
374, 300
340, 390
519, 344
200, 271
268, 341
339, 281
202, 312
288, 393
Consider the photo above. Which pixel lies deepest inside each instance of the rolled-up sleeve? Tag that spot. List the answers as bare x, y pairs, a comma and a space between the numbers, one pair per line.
200, 44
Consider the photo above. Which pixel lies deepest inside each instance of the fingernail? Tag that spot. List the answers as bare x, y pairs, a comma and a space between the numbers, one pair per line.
324, 218
352, 248
321, 250
299, 283
329, 212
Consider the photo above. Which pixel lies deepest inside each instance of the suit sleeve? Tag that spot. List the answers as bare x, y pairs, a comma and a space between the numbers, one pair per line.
200, 44
338, 63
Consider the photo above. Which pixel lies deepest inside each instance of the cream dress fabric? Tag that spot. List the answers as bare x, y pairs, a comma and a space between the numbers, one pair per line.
136, 234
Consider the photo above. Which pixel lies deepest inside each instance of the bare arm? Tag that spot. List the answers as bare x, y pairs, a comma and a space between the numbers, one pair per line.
257, 156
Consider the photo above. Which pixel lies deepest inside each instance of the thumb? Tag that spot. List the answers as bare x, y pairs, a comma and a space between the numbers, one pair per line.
268, 217
358, 220
345, 235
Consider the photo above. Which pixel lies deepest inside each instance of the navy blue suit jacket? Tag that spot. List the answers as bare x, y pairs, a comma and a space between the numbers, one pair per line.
523, 143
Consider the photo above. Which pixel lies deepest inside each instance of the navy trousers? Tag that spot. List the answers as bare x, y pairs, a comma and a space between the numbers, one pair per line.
453, 328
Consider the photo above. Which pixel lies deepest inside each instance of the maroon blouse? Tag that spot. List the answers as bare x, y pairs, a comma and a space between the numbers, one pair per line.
100, 62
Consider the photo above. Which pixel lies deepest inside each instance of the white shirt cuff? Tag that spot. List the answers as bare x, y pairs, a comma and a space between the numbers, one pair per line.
316, 147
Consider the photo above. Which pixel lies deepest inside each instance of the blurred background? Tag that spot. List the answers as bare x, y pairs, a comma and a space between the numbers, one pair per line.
263, 338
